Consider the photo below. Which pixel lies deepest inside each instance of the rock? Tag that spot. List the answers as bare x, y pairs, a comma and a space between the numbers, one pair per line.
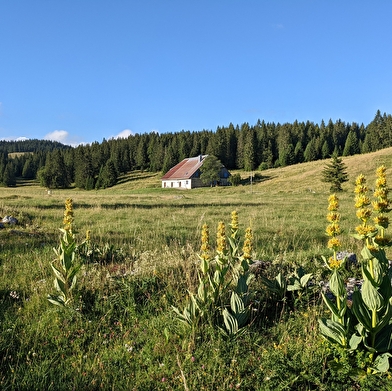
9, 220
351, 258
257, 267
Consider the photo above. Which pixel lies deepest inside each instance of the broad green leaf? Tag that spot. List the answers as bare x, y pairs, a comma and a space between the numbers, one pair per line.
296, 286
354, 341
57, 300
383, 341
333, 331
236, 303
305, 279
240, 312
331, 305
366, 254
385, 318
360, 311
242, 284
381, 363
336, 284
58, 273
60, 287
372, 299
230, 322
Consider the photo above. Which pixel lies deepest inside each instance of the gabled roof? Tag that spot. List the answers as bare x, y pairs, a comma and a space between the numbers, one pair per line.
185, 169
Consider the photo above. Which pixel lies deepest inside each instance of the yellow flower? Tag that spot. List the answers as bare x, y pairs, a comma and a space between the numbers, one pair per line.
380, 206
334, 243
333, 202
234, 222
332, 230
381, 171
372, 249
205, 242
361, 180
382, 241
365, 230
68, 215
381, 193
221, 238
360, 189
88, 235
334, 263
333, 217
248, 244
364, 214
382, 221
381, 182
362, 201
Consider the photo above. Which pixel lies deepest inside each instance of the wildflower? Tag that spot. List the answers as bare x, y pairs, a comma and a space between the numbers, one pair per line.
382, 221
380, 182
380, 206
364, 214
234, 223
221, 238
382, 241
381, 192
361, 180
68, 215
14, 295
88, 235
381, 170
334, 263
248, 244
334, 243
362, 201
333, 217
333, 202
205, 242
332, 230
365, 230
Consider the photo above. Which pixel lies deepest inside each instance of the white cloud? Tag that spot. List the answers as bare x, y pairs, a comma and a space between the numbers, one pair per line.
124, 134
63, 137
57, 135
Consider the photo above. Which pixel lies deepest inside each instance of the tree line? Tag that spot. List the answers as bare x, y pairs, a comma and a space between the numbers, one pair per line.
248, 147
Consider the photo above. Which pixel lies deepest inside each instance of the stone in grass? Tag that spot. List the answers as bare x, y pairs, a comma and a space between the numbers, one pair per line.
9, 220
351, 258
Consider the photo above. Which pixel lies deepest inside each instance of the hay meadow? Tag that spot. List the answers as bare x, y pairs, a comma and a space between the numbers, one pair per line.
121, 332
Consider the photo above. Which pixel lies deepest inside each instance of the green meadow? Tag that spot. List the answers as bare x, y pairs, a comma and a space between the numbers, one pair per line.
121, 332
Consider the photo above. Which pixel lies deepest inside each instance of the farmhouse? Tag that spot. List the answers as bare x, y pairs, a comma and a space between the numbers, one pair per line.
186, 174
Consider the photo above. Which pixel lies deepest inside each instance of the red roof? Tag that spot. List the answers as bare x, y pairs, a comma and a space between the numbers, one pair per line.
185, 169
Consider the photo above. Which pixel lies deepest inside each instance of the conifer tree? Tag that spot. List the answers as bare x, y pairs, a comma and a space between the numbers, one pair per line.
335, 173
210, 170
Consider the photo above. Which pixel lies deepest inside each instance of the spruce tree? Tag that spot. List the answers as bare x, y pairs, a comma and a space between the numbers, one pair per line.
210, 170
335, 173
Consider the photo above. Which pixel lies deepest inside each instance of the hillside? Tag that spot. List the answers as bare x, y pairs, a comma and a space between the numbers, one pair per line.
300, 177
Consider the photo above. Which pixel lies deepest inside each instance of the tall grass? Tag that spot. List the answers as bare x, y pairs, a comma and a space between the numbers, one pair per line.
122, 334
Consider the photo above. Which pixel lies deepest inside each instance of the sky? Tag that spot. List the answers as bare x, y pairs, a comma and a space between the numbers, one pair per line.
80, 71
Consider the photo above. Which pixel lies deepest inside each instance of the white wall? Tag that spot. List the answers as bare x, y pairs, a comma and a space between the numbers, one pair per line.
177, 184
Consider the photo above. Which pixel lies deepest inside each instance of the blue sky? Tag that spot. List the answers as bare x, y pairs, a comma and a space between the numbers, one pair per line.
84, 70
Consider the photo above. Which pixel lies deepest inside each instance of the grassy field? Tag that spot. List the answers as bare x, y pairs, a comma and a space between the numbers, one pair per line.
122, 334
